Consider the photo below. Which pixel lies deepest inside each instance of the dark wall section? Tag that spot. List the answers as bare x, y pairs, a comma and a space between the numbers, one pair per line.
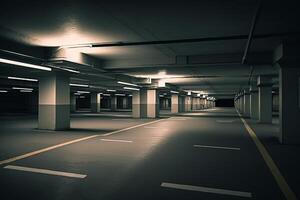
225, 103
17, 102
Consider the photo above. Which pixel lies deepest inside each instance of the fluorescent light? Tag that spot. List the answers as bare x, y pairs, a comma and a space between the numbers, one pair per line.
70, 70
120, 95
76, 46
3, 91
11, 62
78, 85
83, 92
22, 79
108, 90
161, 95
106, 94
198, 95
20, 88
77, 93
25, 90
130, 88
189, 93
125, 83
174, 92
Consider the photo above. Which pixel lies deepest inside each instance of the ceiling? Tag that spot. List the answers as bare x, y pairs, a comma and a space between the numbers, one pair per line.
211, 66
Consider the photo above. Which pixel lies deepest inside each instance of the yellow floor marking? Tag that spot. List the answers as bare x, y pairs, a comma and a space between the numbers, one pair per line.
71, 142
283, 185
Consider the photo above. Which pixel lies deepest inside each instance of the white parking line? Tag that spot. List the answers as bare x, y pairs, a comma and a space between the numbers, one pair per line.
151, 127
45, 171
224, 121
108, 140
207, 190
216, 147
33, 153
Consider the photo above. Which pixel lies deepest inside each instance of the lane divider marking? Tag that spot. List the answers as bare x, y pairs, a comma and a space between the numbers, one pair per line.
45, 171
108, 140
216, 147
206, 189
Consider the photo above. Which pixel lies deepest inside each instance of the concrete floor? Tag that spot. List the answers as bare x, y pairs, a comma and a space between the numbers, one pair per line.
161, 152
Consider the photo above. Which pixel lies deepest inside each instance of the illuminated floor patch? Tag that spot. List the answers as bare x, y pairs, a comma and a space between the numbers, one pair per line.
207, 190
45, 171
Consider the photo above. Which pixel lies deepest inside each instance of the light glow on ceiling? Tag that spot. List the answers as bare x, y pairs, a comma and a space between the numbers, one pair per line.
12, 62
3, 91
22, 79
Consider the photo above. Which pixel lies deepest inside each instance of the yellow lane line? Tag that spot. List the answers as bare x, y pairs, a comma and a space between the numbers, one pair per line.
283, 185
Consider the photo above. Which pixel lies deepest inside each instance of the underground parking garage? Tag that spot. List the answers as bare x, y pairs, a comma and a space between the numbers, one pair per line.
149, 100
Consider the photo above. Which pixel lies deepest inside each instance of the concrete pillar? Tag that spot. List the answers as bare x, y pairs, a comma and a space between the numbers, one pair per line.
181, 104
136, 104
175, 104
54, 102
289, 103
95, 102
125, 102
145, 103
198, 103
113, 102
188, 101
246, 104
264, 84
73, 103
254, 102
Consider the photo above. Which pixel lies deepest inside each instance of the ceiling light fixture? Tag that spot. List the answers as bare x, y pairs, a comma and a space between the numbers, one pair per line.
3, 91
174, 92
120, 95
25, 90
130, 88
12, 62
125, 83
83, 92
20, 88
109, 90
78, 85
22, 79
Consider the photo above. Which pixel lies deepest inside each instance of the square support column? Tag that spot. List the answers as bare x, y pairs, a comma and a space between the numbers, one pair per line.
54, 102
254, 113
175, 104
289, 104
145, 103
246, 108
264, 84
95, 102
73, 103
188, 101
181, 104
113, 102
